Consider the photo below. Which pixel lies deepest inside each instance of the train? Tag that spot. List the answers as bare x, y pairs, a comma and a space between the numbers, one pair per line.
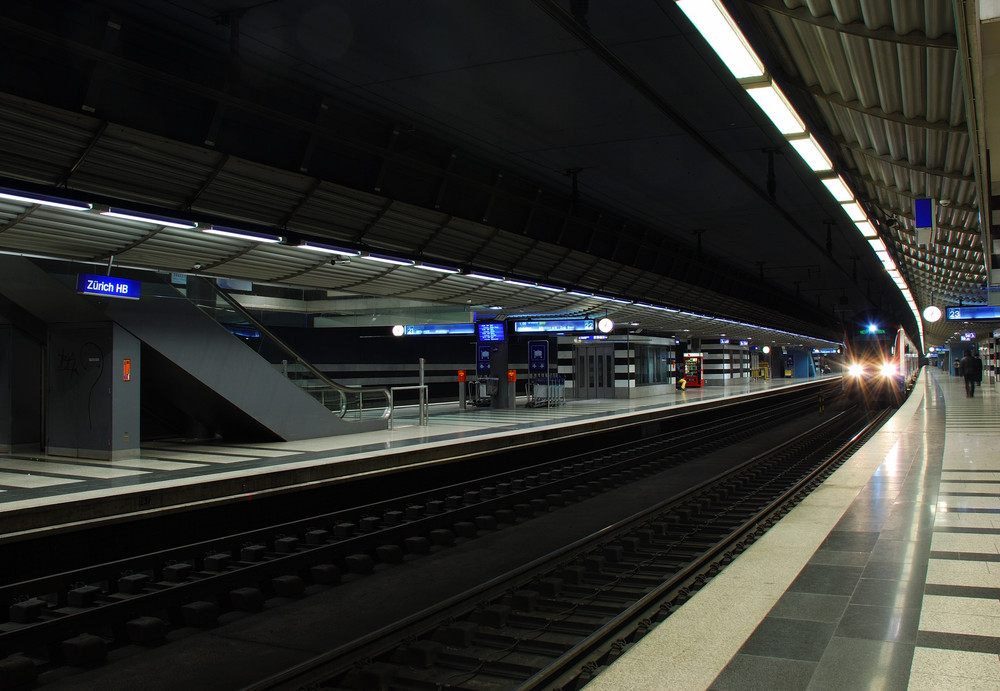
880, 365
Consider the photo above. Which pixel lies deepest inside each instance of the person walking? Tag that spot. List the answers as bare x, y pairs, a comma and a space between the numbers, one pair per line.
972, 371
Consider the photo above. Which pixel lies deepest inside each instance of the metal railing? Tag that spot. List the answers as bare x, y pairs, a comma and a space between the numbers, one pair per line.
347, 402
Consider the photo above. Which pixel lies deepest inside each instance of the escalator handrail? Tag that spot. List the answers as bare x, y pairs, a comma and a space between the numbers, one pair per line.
342, 389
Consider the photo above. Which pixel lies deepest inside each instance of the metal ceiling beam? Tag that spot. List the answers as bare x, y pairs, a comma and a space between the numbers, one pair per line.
836, 100
831, 23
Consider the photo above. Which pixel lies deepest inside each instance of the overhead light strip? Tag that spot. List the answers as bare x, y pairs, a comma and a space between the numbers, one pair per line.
44, 200
240, 234
719, 30
152, 219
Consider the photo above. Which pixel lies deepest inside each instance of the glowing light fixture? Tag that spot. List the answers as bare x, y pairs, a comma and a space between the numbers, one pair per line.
867, 229
522, 284
240, 234
855, 212
839, 189
719, 29
386, 259
437, 267
778, 109
551, 289
328, 249
814, 156
43, 200
484, 277
152, 219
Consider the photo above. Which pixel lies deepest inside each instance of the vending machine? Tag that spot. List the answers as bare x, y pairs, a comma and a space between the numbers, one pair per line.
694, 369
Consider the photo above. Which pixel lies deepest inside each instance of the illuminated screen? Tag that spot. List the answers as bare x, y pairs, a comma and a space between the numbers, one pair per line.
554, 325
437, 329
491, 331
972, 312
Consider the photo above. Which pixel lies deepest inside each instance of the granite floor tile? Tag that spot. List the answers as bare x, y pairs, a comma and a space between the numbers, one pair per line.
789, 638
879, 623
885, 593
896, 571
810, 607
850, 541
826, 579
753, 673
854, 663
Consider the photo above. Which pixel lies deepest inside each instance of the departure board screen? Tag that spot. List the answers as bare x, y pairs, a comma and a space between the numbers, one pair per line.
491, 331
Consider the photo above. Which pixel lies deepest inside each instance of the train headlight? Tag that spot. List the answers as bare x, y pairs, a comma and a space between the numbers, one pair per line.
855, 370
888, 370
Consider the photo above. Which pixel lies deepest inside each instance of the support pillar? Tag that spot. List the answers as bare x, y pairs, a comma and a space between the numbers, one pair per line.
92, 395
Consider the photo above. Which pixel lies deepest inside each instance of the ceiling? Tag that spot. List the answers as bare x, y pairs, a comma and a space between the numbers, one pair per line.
606, 153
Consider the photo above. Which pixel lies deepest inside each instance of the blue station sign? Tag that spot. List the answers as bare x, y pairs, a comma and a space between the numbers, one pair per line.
972, 312
554, 325
108, 286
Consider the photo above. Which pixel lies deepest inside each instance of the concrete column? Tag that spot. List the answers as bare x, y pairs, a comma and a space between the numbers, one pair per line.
91, 407
20, 391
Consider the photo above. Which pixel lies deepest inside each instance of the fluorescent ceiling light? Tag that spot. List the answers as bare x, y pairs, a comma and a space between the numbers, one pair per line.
719, 29
328, 249
551, 289
855, 212
778, 109
814, 156
577, 293
385, 259
523, 284
839, 189
435, 267
877, 244
620, 301
484, 277
867, 229
150, 218
43, 200
240, 234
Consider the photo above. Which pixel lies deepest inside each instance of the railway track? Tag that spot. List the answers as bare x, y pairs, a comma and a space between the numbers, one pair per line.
76, 617
555, 623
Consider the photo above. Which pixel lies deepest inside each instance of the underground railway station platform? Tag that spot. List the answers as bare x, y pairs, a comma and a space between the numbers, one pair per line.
41, 494
886, 577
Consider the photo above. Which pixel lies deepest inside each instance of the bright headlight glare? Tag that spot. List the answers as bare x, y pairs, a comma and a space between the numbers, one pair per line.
888, 370
855, 370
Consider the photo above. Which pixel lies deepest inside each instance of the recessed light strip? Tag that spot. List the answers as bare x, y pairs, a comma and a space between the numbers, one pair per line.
44, 200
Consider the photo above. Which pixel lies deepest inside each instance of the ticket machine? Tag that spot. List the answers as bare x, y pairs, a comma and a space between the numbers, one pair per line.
694, 369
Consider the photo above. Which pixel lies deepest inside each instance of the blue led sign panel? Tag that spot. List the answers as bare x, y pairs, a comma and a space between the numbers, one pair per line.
972, 312
108, 286
438, 329
923, 213
554, 326
491, 331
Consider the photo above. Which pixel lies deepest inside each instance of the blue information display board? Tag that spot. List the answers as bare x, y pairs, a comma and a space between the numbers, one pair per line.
972, 312
107, 286
554, 325
437, 329
491, 331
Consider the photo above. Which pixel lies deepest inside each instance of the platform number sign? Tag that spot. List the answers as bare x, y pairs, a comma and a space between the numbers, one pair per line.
538, 356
